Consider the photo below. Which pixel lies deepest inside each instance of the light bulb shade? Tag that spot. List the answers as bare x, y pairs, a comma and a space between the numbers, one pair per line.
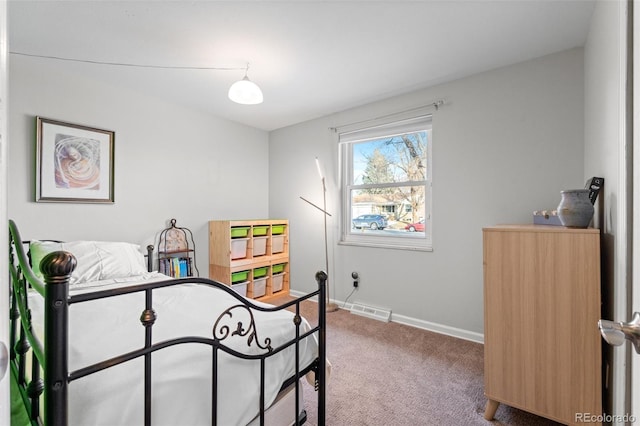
245, 92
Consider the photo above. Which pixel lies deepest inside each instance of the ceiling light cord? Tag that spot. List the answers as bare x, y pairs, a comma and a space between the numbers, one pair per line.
243, 91
125, 64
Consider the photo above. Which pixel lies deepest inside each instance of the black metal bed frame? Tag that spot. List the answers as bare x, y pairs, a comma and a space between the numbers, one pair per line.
52, 357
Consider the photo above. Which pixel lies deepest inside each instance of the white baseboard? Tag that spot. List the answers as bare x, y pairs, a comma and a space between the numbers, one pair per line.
439, 328
418, 323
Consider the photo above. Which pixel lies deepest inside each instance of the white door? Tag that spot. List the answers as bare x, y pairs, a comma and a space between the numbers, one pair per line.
633, 372
5, 407
626, 403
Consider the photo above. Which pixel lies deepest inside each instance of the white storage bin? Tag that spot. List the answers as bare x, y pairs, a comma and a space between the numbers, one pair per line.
277, 244
276, 282
259, 246
240, 288
259, 287
239, 248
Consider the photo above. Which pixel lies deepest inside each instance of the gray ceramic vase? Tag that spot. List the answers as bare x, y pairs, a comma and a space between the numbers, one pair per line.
575, 209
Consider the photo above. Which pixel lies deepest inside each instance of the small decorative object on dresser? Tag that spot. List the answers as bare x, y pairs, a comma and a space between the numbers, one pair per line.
546, 217
176, 252
575, 209
571, 217
594, 185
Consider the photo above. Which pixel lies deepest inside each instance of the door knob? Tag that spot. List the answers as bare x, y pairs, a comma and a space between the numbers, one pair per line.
615, 333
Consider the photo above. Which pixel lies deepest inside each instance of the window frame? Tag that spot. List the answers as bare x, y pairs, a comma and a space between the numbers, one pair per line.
378, 130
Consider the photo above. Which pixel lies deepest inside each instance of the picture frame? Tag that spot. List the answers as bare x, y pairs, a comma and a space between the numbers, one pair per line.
74, 163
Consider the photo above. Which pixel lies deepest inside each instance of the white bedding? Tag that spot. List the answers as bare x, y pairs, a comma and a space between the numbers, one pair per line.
181, 374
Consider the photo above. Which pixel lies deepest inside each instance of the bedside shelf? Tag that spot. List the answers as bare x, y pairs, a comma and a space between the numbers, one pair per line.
176, 252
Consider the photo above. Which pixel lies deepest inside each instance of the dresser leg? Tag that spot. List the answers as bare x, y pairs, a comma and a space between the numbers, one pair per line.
491, 408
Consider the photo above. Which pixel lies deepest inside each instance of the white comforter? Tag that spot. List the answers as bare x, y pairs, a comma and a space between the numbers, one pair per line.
181, 374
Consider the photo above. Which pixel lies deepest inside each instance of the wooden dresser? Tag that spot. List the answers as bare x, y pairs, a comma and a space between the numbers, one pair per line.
542, 347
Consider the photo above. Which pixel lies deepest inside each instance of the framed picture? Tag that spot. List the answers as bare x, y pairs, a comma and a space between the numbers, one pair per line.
74, 163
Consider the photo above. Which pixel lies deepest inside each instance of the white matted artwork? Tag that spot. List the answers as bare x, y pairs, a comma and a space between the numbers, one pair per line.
74, 163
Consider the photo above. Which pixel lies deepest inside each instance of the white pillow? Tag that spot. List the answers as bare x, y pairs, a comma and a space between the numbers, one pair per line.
97, 260
120, 260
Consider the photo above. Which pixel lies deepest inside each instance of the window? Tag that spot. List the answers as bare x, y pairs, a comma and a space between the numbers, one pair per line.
386, 184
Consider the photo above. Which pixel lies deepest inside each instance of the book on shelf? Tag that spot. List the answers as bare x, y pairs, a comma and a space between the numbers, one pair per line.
177, 267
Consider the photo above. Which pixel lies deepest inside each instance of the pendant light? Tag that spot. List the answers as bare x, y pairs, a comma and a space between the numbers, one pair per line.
245, 91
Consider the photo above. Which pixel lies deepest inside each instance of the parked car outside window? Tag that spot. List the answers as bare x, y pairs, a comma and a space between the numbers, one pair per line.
415, 227
373, 221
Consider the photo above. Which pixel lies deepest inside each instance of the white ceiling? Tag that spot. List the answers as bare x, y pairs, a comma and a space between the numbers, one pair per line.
311, 58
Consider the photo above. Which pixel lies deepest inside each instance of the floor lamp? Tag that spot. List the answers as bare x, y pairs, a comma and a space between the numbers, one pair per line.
330, 307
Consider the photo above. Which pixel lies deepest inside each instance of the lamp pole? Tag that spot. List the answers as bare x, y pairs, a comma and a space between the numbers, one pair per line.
330, 307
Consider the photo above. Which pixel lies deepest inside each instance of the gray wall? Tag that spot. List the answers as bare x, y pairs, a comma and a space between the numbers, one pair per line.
170, 162
505, 143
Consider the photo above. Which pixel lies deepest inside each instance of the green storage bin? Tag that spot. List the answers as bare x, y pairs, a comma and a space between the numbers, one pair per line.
276, 269
239, 231
259, 231
277, 229
260, 272
237, 277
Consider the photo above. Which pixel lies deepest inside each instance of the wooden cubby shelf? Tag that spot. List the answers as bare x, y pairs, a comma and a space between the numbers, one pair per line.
251, 256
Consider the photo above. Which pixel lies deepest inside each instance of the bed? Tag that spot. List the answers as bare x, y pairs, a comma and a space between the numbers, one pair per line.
98, 339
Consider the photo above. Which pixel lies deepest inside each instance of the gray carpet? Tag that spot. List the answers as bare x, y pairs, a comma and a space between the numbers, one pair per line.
392, 374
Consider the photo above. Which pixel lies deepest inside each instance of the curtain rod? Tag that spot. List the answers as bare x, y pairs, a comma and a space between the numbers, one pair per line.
436, 104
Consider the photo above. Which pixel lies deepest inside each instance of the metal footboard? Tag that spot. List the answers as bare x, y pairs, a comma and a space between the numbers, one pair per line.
52, 359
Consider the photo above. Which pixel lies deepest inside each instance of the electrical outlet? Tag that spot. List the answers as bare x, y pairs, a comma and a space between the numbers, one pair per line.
356, 279
355, 283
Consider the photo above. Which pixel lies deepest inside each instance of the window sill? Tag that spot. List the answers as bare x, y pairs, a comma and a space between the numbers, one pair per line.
387, 245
